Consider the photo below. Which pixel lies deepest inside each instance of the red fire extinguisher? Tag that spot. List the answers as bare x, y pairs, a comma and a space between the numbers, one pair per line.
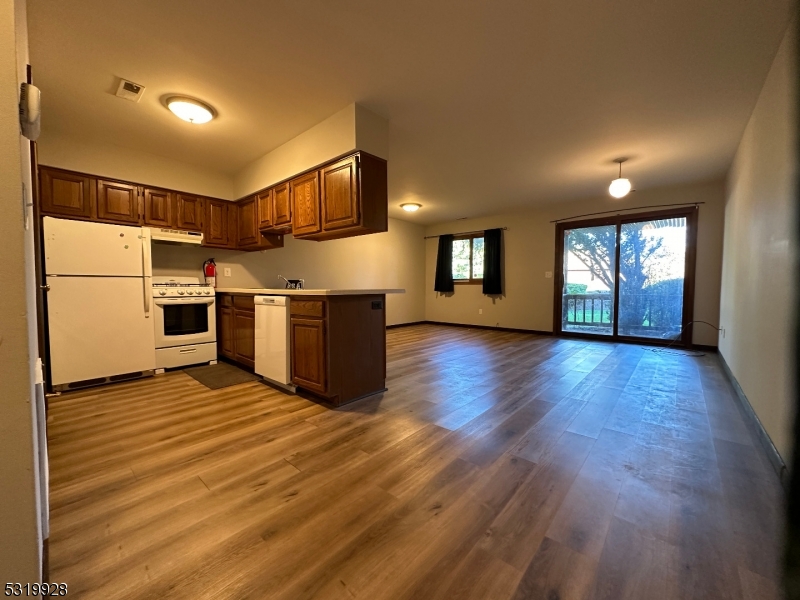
210, 272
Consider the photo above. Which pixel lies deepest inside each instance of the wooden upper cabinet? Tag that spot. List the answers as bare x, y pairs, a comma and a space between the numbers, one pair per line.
353, 198
248, 222
220, 224
339, 194
304, 192
159, 209
189, 212
264, 207
66, 194
281, 207
216, 221
118, 202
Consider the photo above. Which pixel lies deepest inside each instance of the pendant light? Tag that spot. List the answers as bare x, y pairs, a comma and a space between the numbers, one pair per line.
620, 187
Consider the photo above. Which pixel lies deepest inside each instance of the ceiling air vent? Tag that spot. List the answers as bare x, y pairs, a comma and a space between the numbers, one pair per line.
129, 90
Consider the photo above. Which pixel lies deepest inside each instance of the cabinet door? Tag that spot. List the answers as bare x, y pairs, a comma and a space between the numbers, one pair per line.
309, 356
189, 210
158, 208
339, 194
305, 204
281, 207
264, 206
66, 194
247, 233
117, 202
216, 223
244, 331
225, 333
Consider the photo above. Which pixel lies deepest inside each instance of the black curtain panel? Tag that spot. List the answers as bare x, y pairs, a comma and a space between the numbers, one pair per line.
492, 267
444, 265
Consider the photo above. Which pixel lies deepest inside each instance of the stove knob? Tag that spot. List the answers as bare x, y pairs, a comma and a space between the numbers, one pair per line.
162, 292
208, 292
190, 292
181, 292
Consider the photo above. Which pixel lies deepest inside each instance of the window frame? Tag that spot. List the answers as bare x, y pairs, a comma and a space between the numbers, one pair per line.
472, 280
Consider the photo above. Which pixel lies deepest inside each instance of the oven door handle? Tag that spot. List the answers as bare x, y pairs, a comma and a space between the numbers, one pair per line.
172, 301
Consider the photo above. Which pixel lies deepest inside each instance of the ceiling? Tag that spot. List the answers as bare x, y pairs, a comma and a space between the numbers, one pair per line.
493, 106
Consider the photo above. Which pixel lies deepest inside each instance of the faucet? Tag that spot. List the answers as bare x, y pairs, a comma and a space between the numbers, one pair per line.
293, 284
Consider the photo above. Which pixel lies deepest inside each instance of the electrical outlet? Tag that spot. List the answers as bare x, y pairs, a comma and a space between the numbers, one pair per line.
480, 311
723, 333
226, 271
548, 274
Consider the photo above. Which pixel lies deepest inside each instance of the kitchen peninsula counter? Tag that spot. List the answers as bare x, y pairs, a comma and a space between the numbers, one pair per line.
305, 292
337, 338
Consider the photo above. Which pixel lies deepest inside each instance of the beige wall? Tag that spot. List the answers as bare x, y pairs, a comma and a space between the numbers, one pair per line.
529, 247
20, 534
758, 308
353, 127
56, 150
393, 259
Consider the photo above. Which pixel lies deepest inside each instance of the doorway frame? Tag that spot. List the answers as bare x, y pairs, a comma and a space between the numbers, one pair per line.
687, 317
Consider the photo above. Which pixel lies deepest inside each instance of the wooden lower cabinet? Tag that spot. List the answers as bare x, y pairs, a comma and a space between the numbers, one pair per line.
225, 343
338, 345
236, 328
244, 335
309, 354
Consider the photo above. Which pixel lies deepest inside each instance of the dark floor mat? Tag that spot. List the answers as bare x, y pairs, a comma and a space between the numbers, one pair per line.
221, 375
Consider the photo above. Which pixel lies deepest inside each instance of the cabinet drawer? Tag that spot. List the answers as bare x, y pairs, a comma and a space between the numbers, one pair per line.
308, 308
225, 299
244, 302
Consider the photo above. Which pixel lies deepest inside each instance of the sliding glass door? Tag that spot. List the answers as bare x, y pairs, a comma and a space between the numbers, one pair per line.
590, 274
627, 277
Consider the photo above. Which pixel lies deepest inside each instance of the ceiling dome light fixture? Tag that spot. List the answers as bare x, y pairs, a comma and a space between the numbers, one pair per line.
620, 187
190, 109
411, 206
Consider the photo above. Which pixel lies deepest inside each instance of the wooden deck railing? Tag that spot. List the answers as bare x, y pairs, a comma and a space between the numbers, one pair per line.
587, 309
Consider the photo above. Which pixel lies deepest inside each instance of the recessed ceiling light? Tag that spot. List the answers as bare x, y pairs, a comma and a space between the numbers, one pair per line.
189, 109
411, 206
620, 187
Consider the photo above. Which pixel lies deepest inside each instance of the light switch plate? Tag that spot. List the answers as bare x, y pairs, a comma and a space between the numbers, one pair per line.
548, 274
226, 271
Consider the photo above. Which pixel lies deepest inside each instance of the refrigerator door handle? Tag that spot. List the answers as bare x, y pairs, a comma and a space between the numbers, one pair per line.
147, 261
147, 271
148, 296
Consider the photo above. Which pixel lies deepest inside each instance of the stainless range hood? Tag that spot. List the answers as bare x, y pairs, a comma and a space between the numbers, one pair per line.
175, 236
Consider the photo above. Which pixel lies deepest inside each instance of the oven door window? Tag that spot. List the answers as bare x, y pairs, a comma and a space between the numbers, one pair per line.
185, 319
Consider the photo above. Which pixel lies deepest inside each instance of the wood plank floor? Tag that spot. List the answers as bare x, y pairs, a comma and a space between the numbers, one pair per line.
497, 466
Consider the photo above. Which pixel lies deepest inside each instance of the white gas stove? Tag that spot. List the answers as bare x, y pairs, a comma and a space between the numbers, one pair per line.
177, 287
185, 322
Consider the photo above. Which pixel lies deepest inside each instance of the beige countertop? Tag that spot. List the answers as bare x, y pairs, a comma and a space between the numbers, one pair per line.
285, 292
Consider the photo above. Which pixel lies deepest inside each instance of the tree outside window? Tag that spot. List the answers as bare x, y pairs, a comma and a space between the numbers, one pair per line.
468, 259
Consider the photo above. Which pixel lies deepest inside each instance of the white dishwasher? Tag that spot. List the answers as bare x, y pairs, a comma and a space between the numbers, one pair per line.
273, 356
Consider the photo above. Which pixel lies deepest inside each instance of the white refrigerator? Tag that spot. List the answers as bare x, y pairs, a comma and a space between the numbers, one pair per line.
99, 301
